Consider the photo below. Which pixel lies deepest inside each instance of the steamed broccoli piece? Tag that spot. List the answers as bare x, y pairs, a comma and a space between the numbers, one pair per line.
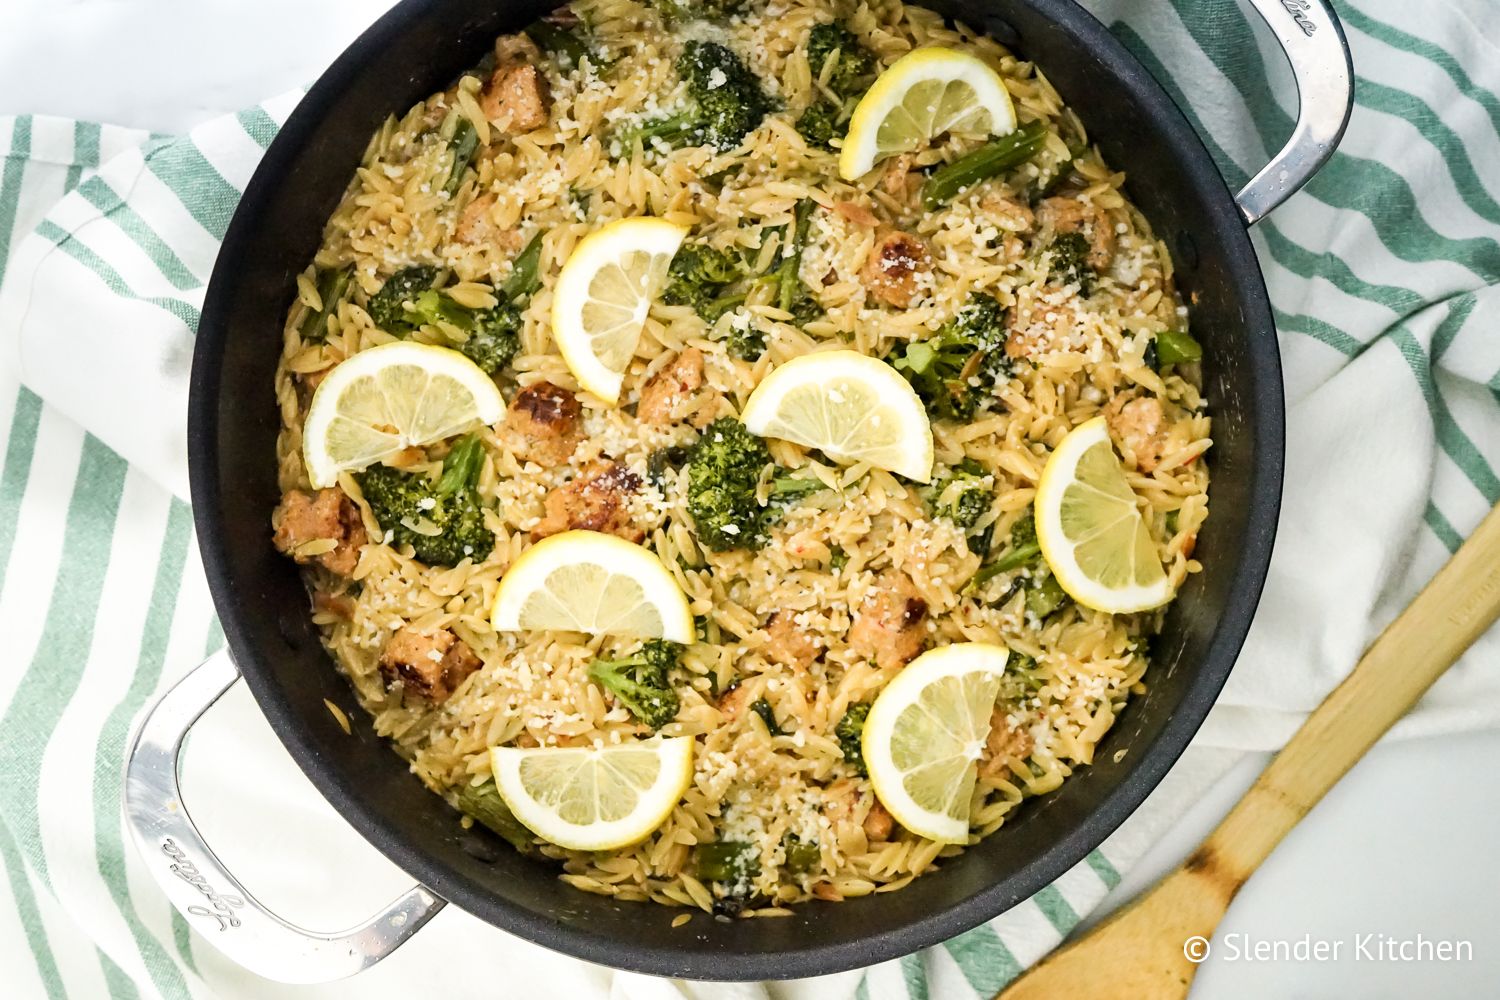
849, 732
1045, 595
1070, 255
1173, 347
723, 473
855, 67
962, 496
641, 681
388, 306
698, 277
851, 73
819, 125
697, 10
448, 512
968, 349
725, 102
747, 344
407, 301
494, 338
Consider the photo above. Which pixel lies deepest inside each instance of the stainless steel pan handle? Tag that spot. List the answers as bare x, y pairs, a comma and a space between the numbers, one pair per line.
203, 890
1310, 34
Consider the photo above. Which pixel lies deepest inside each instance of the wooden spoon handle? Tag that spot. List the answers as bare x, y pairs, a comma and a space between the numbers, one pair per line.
1146, 951
1453, 610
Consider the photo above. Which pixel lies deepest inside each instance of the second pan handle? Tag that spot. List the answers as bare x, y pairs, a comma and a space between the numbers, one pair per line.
1313, 39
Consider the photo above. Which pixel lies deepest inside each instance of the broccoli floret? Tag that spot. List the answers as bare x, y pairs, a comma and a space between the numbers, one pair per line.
1070, 262
698, 276
443, 522
697, 10
849, 732
962, 496
725, 103
494, 339
492, 336
969, 348
747, 343
1045, 595
388, 306
856, 64
723, 473
851, 73
641, 681
819, 125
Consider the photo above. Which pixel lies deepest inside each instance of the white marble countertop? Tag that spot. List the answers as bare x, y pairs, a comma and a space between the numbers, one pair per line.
1404, 846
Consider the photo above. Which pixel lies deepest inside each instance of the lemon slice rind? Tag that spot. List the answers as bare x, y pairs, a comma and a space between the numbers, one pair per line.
389, 398
853, 407
904, 742
1119, 526
619, 772
952, 91
603, 294
588, 581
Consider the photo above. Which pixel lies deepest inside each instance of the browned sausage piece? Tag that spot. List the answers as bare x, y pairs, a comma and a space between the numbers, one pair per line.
428, 666
896, 262
1140, 425
598, 500
663, 395
890, 627
547, 421
303, 517
1069, 215
1008, 740
734, 701
878, 823
516, 98
474, 225
788, 643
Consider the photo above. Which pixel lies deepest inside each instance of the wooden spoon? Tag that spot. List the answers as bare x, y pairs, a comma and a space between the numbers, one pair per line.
1142, 953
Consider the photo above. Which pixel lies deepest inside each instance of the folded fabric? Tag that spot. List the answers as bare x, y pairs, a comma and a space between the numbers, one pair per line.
1383, 278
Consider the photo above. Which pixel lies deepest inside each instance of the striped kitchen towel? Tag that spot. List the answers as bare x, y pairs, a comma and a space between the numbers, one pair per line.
1383, 275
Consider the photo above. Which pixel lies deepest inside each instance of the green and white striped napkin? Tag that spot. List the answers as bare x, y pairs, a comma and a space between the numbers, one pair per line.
1382, 273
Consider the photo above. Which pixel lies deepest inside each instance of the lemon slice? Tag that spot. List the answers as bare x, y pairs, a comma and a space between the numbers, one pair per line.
924, 735
1090, 530
594, 800
587, 581
851, 406
603, 294
387, 399
924, 94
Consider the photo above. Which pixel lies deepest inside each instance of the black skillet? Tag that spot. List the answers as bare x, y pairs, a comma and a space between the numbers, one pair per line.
415, 50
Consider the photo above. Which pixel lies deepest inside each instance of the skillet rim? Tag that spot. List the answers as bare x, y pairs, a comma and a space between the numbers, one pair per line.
1263, 381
